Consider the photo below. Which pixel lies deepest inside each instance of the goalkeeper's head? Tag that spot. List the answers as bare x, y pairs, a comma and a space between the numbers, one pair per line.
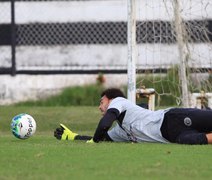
112, 93
107, 96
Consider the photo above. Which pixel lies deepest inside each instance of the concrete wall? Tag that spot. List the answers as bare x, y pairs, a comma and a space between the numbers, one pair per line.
24, 87
102, 56
93, 56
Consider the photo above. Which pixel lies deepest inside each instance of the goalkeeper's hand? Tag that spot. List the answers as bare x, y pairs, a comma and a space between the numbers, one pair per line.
63, 133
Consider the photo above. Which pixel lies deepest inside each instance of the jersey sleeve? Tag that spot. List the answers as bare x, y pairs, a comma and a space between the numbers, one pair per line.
104, 125
118, 104
117, 134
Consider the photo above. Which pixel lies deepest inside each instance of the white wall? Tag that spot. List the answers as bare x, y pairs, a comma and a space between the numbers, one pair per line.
22, 87
105, 10
99, 56
25, 87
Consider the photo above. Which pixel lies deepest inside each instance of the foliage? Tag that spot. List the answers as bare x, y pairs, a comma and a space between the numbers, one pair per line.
80, 95
166, 86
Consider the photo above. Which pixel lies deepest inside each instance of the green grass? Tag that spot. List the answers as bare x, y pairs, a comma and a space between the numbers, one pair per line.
44, 157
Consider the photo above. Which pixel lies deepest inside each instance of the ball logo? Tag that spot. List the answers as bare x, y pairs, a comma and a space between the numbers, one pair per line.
187, 121
30, 128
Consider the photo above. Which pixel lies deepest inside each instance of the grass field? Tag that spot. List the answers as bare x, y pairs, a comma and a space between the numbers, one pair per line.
44, 157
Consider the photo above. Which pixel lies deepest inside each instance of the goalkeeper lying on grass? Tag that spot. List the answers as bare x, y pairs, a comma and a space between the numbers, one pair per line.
136, 124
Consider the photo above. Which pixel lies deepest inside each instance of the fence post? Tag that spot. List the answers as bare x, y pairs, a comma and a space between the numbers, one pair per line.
13, 38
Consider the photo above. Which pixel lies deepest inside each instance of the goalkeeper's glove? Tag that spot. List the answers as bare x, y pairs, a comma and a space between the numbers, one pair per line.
90, 141
63, 133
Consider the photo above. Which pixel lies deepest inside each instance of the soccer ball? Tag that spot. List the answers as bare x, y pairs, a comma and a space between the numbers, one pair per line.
23, 126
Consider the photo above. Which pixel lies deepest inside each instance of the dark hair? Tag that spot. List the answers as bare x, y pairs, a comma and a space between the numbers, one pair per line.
112, 93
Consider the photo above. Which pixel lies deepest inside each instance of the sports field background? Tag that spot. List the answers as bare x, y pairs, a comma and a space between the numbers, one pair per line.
44, 157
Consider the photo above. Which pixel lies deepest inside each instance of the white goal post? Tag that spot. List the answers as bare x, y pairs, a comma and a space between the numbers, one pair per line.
132, 52
131, 41
169, 47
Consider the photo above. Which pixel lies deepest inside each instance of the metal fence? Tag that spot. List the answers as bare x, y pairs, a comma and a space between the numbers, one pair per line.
54, 37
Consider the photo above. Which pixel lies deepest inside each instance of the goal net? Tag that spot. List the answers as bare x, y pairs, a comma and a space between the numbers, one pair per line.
174, 50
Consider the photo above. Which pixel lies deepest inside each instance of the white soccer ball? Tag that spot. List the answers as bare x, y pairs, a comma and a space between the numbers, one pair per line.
23, 126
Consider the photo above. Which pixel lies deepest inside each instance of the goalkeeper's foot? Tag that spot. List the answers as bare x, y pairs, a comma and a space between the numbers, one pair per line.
67, 133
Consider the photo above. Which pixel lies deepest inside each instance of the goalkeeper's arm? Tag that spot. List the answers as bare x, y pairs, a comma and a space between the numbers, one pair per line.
104, 125
100, 134
64, 133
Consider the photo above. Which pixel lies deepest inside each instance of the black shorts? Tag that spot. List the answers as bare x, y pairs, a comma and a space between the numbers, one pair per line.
187, 125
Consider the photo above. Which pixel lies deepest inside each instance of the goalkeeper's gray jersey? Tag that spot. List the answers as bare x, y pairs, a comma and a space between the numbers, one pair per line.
138, 125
